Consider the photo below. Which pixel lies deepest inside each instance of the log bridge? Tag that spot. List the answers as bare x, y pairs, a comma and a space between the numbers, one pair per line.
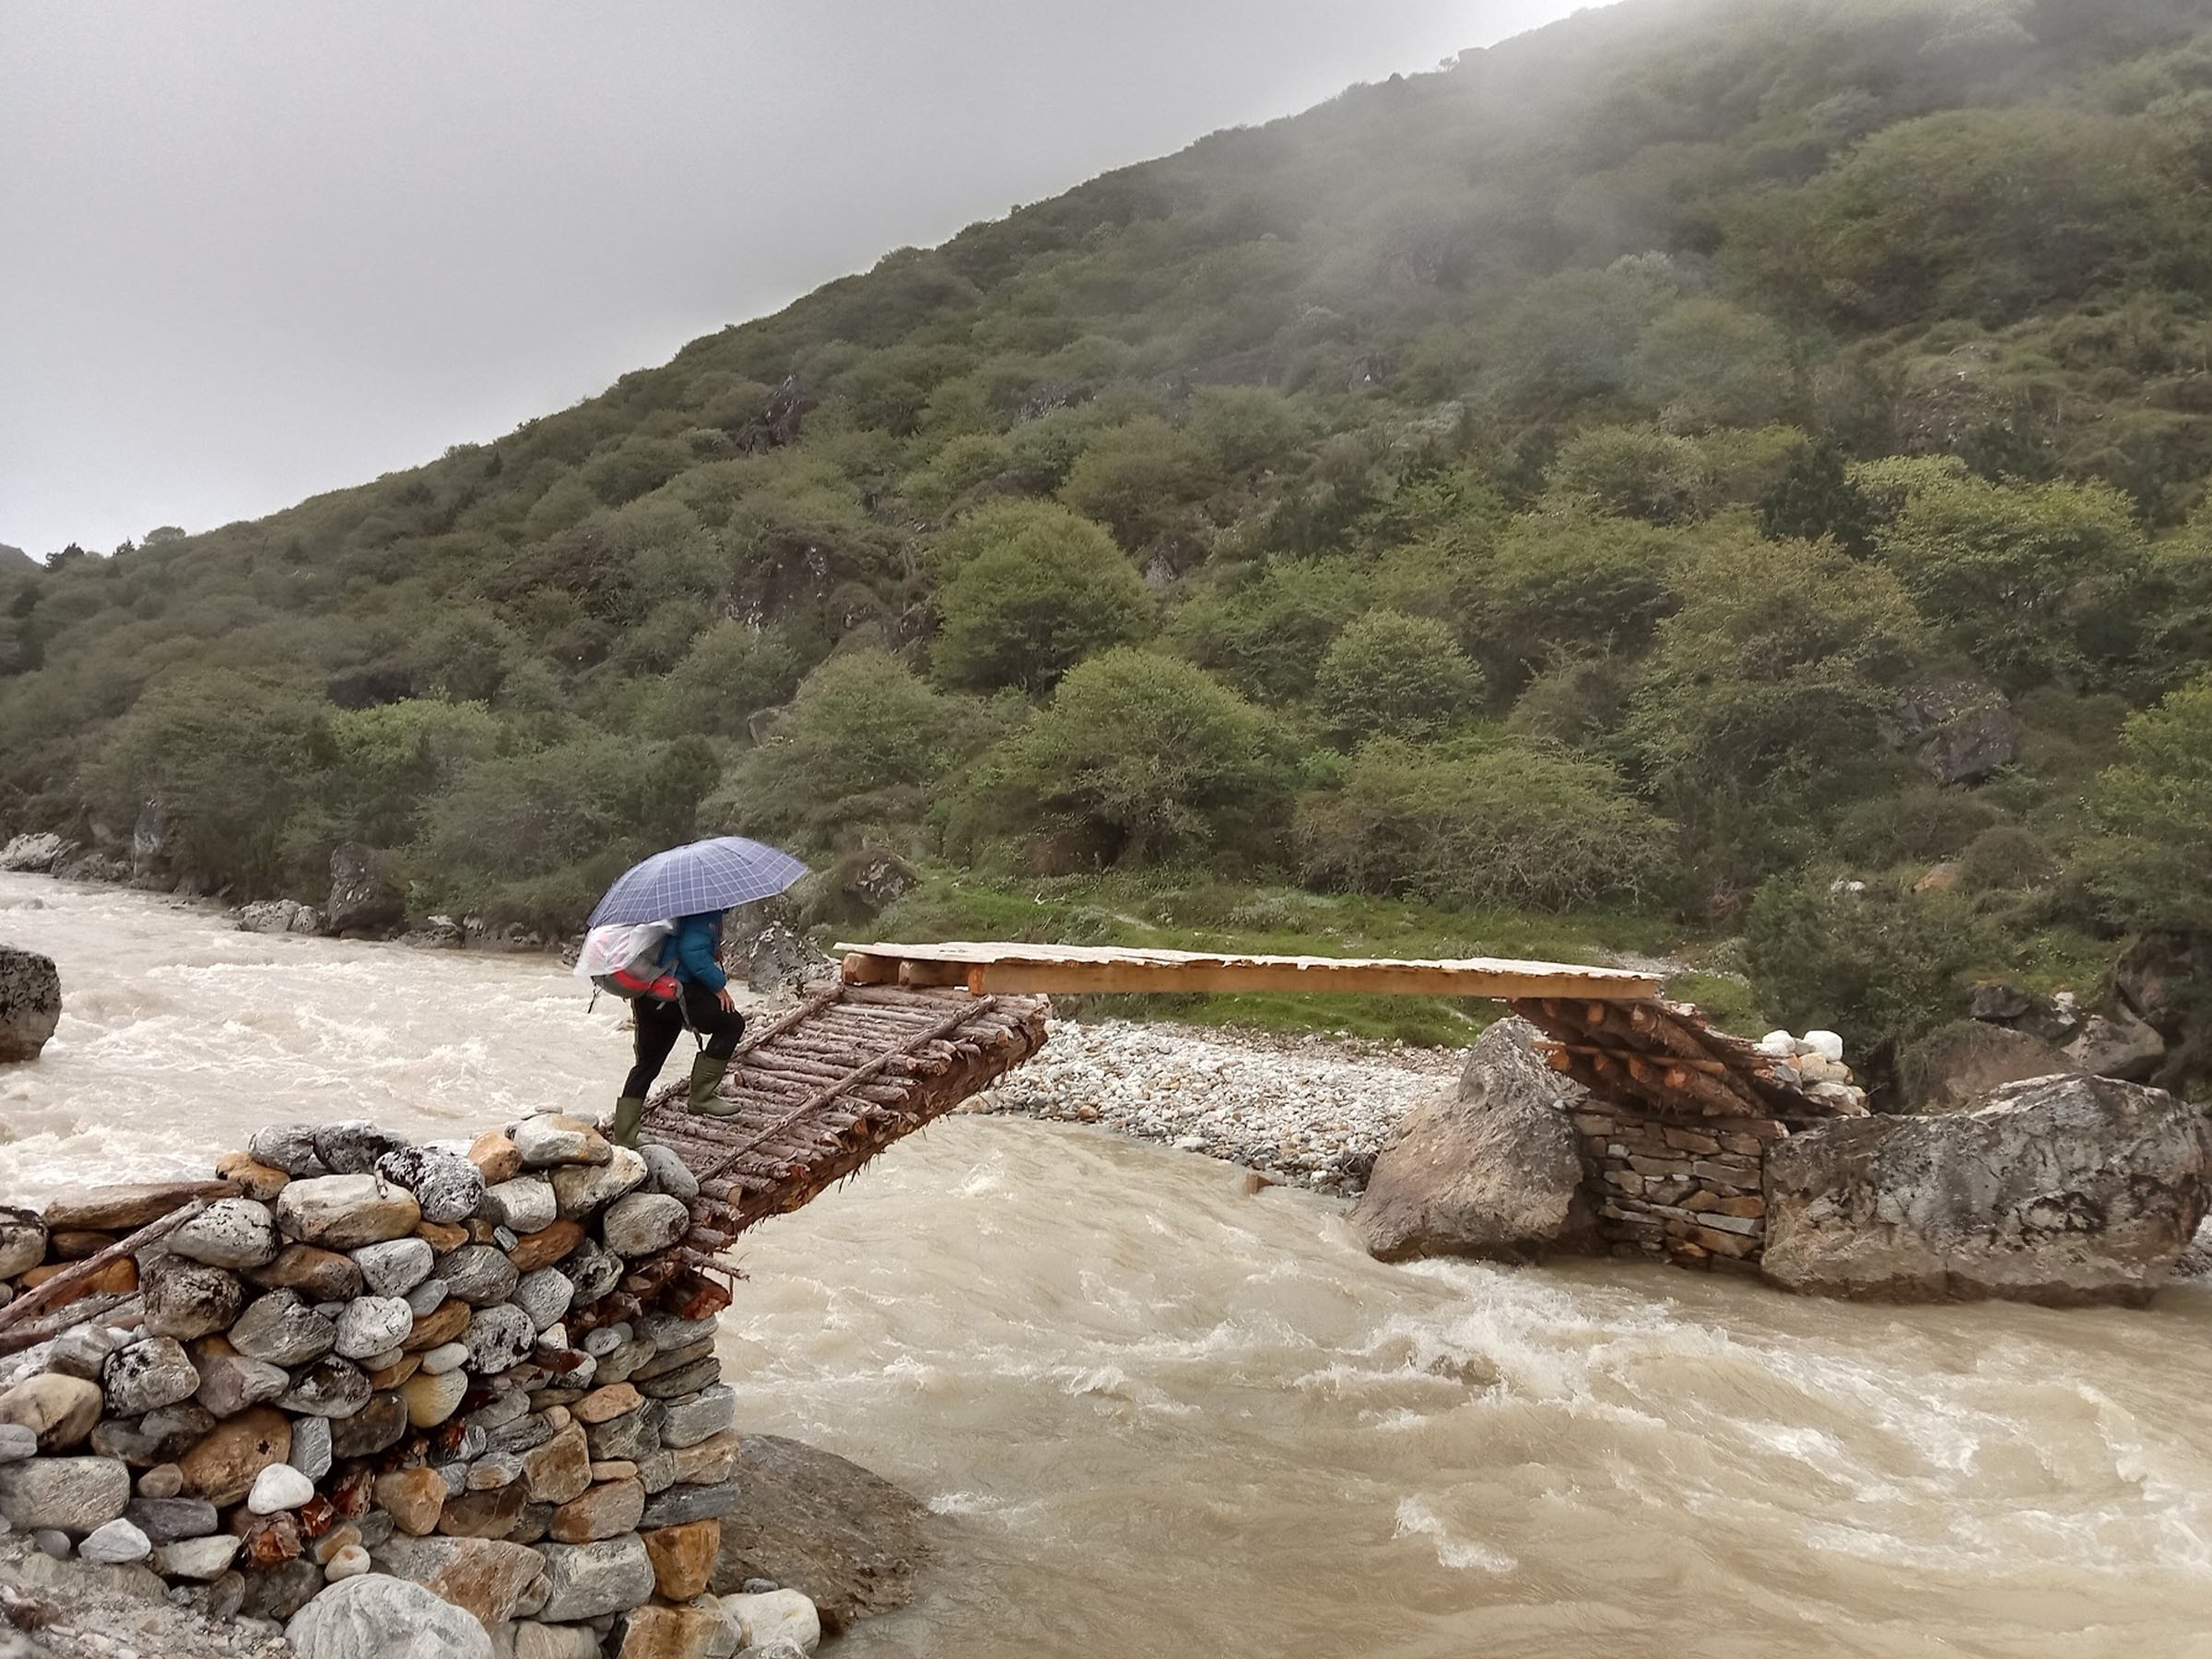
905, 1033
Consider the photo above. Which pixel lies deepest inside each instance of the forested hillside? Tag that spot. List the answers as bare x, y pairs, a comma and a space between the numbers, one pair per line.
1726, 470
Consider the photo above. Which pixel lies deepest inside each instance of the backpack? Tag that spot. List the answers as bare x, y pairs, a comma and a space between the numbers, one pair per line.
623, 959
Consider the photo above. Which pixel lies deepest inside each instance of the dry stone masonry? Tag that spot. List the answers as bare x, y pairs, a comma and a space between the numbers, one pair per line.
453, 1399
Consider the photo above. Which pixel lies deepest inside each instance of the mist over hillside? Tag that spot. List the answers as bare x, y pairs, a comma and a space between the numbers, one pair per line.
1660, 471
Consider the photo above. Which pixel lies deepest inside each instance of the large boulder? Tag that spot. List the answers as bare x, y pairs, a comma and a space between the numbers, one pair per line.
34, 854
31, 1004
2117, 1044
2063, 1191
1956, 1066
813, 1522
378, 1616
363, 896
1488, 1167
1960, 730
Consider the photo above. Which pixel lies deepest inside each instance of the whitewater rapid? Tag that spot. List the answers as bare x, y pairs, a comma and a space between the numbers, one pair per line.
1157, 1415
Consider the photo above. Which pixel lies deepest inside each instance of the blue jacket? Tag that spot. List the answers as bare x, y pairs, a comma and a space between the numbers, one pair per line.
694, 951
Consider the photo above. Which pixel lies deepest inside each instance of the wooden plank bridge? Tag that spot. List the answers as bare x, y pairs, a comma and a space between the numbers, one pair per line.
906, 1033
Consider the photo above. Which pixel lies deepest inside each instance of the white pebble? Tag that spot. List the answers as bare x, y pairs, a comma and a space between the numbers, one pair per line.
279, 1487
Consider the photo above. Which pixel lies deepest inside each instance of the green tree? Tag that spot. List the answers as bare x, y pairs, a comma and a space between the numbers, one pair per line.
1389, 674
1267, 633
1133, 478
1510, 826
1141, 759
1633, 472
730, 672
1816, 498
1565, 581
1707, 363
2152, 854
2033, 582
863, 739
1034, 590
230, 757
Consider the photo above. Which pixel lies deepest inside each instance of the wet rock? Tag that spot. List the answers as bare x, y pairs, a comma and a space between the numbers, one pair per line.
30, 1003
546, 1246
230, 1383
666, 1172
680, 1504
200, 1558
560, 1470
158, 1437
395, 1266
30, 854
481, 1576
659, 1632
286, 1146
343, 1212
499, 1339
433, 1396
604, 1509
282, 1329
2057, 1190
222, 1466
683, 1557
776, 1617
279, 1487
691, 1378
330, 1387
116, 1544
69, 1494
372, 1324
589, 1581
354, 1146
60, 1410
550, 1139
364, 898
583, 1190
851, 1540
592, 1270
311, 1452
545, 1296
376, 1616
1489, 1168
478, 1274
446, 1185
186, 1300
415, 1498
277, 916
319, 1274
2117, 1044
171, 1520
629, 1437
1958, 1066
378, 1427
22, 1241
644, 1223
148, 1375
524, 1205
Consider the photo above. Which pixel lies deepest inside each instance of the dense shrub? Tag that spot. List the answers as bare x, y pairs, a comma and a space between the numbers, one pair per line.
1389, 674
2153, 855
1034, 590
1707, 363
1267, 635
1634, 472
1142, 758
1507, 826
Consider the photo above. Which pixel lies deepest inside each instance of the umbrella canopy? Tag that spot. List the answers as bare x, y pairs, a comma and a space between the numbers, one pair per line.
706, 876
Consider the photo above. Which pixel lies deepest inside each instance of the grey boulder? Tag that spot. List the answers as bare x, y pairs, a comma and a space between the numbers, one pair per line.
589, 1581
1489, 1168
445, 1185
373, 1616
643, 1223
31, 1004
2063, 1191
232, 1233
148, 1375
69, 1494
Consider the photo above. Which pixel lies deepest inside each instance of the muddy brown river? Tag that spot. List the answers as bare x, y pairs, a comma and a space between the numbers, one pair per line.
1159, 1417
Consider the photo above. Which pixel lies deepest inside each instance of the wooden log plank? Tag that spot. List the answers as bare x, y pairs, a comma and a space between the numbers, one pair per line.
53, 1290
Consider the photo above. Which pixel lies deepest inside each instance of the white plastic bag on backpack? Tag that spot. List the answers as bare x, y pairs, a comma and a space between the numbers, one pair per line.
634, 947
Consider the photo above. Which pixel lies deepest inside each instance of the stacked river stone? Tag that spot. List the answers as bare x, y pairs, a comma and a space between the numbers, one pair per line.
483, 1368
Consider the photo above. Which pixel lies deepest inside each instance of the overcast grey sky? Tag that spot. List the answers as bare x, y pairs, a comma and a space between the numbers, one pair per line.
255, 249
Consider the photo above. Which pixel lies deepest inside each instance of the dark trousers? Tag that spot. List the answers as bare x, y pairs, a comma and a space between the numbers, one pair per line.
659, 1024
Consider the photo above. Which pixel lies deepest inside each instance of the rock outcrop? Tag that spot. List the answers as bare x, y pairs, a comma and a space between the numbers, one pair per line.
2062, 1191
34, 854
1488, 1167
813, 1522
1960, 730
363, 898
31, 1004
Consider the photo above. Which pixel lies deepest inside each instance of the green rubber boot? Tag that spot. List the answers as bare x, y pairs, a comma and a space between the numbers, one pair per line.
628, 1110
706, 1072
